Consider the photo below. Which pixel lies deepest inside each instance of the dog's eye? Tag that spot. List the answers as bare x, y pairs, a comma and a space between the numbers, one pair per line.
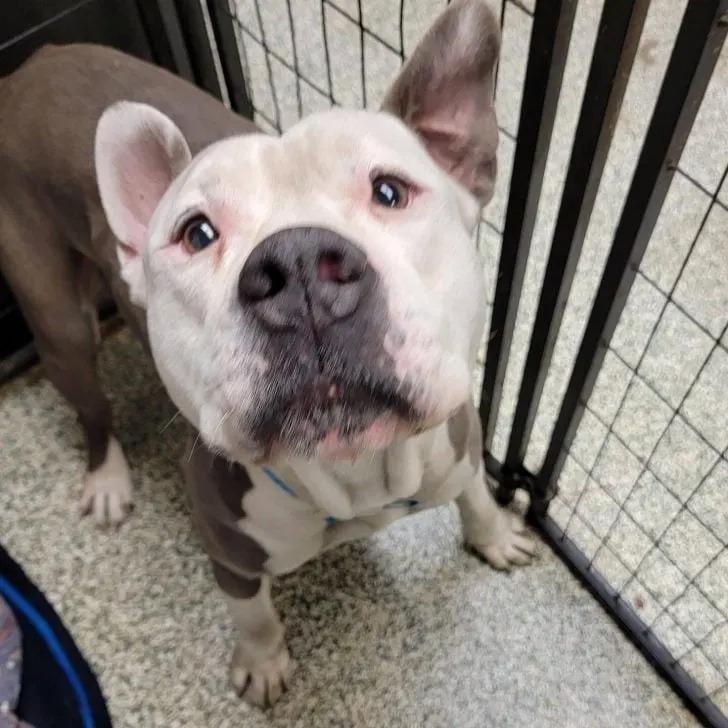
197, 234
389, 191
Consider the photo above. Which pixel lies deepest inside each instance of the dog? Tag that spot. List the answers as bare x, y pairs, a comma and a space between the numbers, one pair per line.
313, 302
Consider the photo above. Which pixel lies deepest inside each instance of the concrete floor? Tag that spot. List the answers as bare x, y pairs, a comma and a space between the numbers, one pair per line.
404, 629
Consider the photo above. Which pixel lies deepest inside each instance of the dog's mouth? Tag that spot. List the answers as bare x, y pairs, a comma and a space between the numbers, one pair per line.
333, 417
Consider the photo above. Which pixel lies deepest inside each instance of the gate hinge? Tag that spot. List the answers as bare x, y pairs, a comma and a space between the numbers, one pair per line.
513, 478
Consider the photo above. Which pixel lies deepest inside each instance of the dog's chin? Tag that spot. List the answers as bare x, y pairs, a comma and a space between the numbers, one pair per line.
379, 435
332, 421
307, 438
335, 444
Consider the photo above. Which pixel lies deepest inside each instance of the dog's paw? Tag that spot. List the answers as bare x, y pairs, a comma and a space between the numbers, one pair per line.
107, 491
507, 544
263, 684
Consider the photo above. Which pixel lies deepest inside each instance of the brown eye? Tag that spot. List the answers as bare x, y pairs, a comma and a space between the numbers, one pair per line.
197, 234
390, 192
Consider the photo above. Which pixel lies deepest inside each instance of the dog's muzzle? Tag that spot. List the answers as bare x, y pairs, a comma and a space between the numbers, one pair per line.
322, 319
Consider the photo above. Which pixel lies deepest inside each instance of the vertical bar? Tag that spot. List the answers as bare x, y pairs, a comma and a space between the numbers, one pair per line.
161, 24
296, 69
620, 27
193, 28
362, 58
401, 29
327, 55
702, 32
232, 68
552, 24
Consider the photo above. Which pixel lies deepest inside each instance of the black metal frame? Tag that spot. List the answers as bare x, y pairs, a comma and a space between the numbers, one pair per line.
552, 25
700, 38
618, 35
230, 59
702, 32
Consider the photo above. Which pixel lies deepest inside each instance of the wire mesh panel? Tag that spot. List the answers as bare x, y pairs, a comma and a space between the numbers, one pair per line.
607, 368
644, 488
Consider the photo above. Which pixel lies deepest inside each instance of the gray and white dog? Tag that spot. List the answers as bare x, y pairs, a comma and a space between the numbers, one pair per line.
313, 303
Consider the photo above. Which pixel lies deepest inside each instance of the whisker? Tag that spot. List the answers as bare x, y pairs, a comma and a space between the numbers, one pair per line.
222, 421
174, 417
215, 431
192, 449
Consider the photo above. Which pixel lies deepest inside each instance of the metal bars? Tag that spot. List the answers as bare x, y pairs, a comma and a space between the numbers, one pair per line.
702, 32
618, 35
552, 24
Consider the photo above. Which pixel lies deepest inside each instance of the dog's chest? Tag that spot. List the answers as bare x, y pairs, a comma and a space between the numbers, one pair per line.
296, 510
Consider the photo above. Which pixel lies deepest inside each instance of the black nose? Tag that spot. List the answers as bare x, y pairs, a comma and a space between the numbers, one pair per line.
304, 275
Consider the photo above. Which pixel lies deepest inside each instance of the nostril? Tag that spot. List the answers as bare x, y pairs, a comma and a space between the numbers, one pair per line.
328, 267
333, 267
264, 281
275, 278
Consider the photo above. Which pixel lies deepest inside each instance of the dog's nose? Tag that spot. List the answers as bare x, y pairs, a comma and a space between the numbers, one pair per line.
304, 275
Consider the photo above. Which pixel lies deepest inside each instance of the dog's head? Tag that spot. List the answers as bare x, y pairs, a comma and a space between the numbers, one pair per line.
316, 293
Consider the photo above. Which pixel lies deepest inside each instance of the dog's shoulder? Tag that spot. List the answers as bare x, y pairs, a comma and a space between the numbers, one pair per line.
216, 487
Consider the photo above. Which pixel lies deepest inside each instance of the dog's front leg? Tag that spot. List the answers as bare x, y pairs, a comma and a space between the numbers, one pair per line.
260, 667
495, 533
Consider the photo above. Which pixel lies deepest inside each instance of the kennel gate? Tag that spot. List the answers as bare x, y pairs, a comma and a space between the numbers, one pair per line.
611, 427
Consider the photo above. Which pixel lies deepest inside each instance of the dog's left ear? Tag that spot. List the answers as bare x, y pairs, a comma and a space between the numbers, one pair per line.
445, 94
139, 152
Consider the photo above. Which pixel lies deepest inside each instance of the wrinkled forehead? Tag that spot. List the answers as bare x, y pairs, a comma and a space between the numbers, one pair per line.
324, 146
342, 135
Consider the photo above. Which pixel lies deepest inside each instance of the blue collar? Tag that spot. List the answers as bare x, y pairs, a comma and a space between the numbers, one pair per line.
410, 503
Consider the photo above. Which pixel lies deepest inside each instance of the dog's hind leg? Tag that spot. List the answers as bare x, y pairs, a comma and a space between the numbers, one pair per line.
44, 275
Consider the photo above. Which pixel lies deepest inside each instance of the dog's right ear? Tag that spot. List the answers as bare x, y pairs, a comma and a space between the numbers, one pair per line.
444, 93
139, 151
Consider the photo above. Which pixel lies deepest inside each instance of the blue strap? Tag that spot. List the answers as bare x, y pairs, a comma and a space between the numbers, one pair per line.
331, 520
403, 503
21, 604
279, 482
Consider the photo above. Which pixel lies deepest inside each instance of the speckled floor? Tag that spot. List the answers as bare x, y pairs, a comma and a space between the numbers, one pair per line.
404, 629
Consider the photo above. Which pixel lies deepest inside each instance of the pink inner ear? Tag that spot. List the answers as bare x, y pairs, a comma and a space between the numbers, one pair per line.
144, 174
443, 147
147, 175
461, 135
